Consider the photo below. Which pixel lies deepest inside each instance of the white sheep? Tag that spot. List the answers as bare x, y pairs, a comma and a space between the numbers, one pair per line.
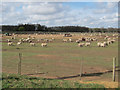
53, 38
10, 43
70, 40
80, 44
77, 41
44, 44
99, 44
18, 43
8, 40
102, 45
65, 40
105, 43
32, 44
87, 44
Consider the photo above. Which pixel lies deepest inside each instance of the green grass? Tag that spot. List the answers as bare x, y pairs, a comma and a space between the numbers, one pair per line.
58, 59
22, 81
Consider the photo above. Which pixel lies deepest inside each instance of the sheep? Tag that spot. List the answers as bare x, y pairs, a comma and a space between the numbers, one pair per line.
53, 38
12, 37
10, 43
33, 38
108, 42
65, 40
105, 43
87, 44
20, 40
77, 41
70, 40
80, 44
32, 44
46, 40
102, 45
112, 41
18, 43
50, 40
27, 39
99, 44
8, 40
29, 36
44, 44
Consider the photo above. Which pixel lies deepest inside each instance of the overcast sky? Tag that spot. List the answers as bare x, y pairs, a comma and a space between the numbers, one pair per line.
91, 14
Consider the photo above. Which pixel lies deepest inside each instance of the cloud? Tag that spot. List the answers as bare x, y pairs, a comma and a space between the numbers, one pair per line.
43, 8
108, 7
56, 13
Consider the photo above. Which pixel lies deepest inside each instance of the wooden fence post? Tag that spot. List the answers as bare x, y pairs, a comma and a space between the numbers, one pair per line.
114, 65
81, 69
19, 64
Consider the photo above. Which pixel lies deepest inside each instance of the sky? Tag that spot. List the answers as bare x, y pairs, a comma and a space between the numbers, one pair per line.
90, 14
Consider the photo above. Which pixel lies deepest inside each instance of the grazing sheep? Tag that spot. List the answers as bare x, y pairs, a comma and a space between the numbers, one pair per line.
108, 42
44, 44
102, 45
33, 38
12, 37
87, 44
8, 40
80, 44
65, 40
29, 36
27, 39
53, 38
10, 43
50, 40
32, 44
20, 40
77, 41
105, 43
18, 43
70, 40
99, 44
112, 41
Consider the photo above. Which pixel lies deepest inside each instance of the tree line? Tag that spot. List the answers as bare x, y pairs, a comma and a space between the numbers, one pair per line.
43, 28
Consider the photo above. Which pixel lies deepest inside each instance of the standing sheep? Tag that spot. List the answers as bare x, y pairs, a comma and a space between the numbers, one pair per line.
32, 44
80, 44
18, 43
44, 44
65, 40
10, 43
87, 44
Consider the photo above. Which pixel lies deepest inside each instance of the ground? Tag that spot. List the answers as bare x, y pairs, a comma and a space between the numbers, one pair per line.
61, 60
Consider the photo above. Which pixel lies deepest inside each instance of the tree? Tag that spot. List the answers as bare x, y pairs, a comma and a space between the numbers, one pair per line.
21, 29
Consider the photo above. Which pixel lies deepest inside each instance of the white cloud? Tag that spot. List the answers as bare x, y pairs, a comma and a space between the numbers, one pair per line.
53, 14
43, 8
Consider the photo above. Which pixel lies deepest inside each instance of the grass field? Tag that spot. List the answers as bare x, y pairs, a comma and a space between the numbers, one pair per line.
17, 81
60, 60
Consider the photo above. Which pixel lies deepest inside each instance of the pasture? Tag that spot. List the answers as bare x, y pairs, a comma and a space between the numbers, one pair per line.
60, 59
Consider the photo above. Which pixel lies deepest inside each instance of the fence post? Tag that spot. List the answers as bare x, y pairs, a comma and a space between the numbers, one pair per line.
114, 64
19, 64
81, 69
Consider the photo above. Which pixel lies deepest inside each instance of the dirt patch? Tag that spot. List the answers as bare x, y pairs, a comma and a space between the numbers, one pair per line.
48, 56
105, 83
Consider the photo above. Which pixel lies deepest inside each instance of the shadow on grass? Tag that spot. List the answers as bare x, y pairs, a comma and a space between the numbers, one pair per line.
35, 73
87, 75
83, 75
